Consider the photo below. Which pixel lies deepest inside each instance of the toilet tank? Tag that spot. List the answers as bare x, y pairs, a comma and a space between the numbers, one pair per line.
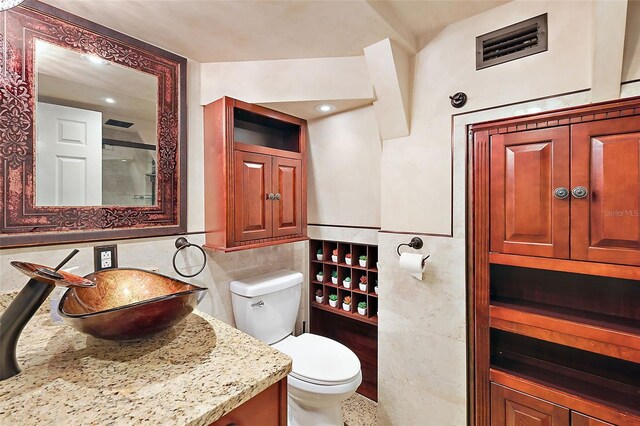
266, 306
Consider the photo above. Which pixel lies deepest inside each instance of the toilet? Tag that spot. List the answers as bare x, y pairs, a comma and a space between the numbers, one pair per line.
324, 372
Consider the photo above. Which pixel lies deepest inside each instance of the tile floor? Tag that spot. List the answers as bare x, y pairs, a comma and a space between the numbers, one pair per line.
360, 411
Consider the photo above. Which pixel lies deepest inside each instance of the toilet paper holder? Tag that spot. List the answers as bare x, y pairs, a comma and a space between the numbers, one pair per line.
415, 243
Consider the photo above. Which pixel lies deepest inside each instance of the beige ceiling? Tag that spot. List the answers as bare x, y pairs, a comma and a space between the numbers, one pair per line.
222, 30
426, 18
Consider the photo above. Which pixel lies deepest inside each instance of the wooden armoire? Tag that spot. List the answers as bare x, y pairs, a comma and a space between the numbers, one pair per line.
554, 267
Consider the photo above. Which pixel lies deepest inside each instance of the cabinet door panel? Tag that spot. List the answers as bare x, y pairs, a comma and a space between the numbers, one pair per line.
526, 218
268, 408
512, 408
287, 181
252, 181
605, 225
578, 419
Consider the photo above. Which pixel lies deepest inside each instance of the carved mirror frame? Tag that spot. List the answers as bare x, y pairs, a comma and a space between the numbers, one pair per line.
24, 223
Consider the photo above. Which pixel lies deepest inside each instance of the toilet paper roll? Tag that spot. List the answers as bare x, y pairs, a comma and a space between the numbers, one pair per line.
412, 263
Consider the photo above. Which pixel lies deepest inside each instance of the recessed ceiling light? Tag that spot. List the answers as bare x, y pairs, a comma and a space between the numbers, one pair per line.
325, 108
95, 59
109, 100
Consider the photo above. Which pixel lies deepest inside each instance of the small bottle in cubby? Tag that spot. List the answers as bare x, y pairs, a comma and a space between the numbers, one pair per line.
332, 298
319, 295
359, 278
358, 251
316, 250
361, 306
333, 252
373, 282
344, 249
344, 277
346, 302
317, 272
327, 269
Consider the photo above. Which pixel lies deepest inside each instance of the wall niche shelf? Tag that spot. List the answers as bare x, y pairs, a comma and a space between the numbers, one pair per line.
344, 271
358, 332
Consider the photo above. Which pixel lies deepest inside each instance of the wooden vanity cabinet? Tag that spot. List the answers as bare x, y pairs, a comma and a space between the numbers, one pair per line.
268, 408
255, 176
554, 262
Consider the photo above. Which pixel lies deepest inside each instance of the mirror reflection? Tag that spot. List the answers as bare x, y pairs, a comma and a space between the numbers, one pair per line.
96, 135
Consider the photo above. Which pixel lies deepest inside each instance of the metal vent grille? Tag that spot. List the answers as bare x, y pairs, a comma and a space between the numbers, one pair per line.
118, 123
513, 42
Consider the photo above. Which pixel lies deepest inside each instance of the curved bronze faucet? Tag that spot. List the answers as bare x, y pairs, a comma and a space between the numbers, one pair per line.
24, 306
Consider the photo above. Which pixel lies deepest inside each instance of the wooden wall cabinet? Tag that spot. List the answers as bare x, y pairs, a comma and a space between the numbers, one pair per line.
255, 176
570, 192
554, 252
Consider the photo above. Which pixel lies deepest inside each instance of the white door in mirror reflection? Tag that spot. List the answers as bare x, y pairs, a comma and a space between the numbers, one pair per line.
69, 156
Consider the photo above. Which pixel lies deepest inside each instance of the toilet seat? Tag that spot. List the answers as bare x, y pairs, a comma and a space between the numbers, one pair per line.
320, 361
314, 388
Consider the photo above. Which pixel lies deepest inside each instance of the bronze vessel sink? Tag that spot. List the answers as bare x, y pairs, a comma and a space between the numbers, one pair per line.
128, 304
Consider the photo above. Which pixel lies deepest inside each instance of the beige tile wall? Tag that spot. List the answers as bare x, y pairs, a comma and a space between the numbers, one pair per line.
157, 253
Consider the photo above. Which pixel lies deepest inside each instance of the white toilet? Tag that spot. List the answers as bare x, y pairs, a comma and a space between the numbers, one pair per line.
325, 372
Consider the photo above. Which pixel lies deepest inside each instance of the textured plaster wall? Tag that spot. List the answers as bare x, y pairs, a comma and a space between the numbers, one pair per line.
344, 169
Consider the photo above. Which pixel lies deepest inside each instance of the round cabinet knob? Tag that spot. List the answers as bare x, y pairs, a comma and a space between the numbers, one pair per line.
271, 196
579, 192
278, 196
561, 193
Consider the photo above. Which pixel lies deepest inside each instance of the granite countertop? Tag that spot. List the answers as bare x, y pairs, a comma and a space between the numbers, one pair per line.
191, 374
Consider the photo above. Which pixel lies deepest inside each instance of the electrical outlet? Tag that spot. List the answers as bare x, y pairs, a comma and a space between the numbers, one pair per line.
105, 257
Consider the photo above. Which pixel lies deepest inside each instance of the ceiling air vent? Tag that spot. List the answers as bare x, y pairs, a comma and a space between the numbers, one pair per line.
513, 42
118, 123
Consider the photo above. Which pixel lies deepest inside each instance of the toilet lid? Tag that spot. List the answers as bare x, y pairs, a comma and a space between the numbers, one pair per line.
319, 360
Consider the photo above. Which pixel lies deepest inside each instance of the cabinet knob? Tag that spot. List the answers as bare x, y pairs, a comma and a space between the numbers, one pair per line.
271, 196
579, 192
561, 193
278, 196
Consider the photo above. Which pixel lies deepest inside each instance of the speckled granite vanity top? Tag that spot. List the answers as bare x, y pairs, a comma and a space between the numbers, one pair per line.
190, 375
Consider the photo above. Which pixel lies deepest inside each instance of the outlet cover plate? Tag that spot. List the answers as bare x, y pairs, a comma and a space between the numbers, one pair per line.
105, 257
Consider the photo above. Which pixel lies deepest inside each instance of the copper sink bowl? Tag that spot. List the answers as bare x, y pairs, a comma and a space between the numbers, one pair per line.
128, 304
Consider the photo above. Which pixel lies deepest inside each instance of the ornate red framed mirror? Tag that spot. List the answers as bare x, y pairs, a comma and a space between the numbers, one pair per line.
92, 132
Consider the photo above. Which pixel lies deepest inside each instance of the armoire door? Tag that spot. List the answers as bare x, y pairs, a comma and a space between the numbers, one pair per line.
605, 179
252, 185
287, 206
512, 408
578, 419
529, 193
